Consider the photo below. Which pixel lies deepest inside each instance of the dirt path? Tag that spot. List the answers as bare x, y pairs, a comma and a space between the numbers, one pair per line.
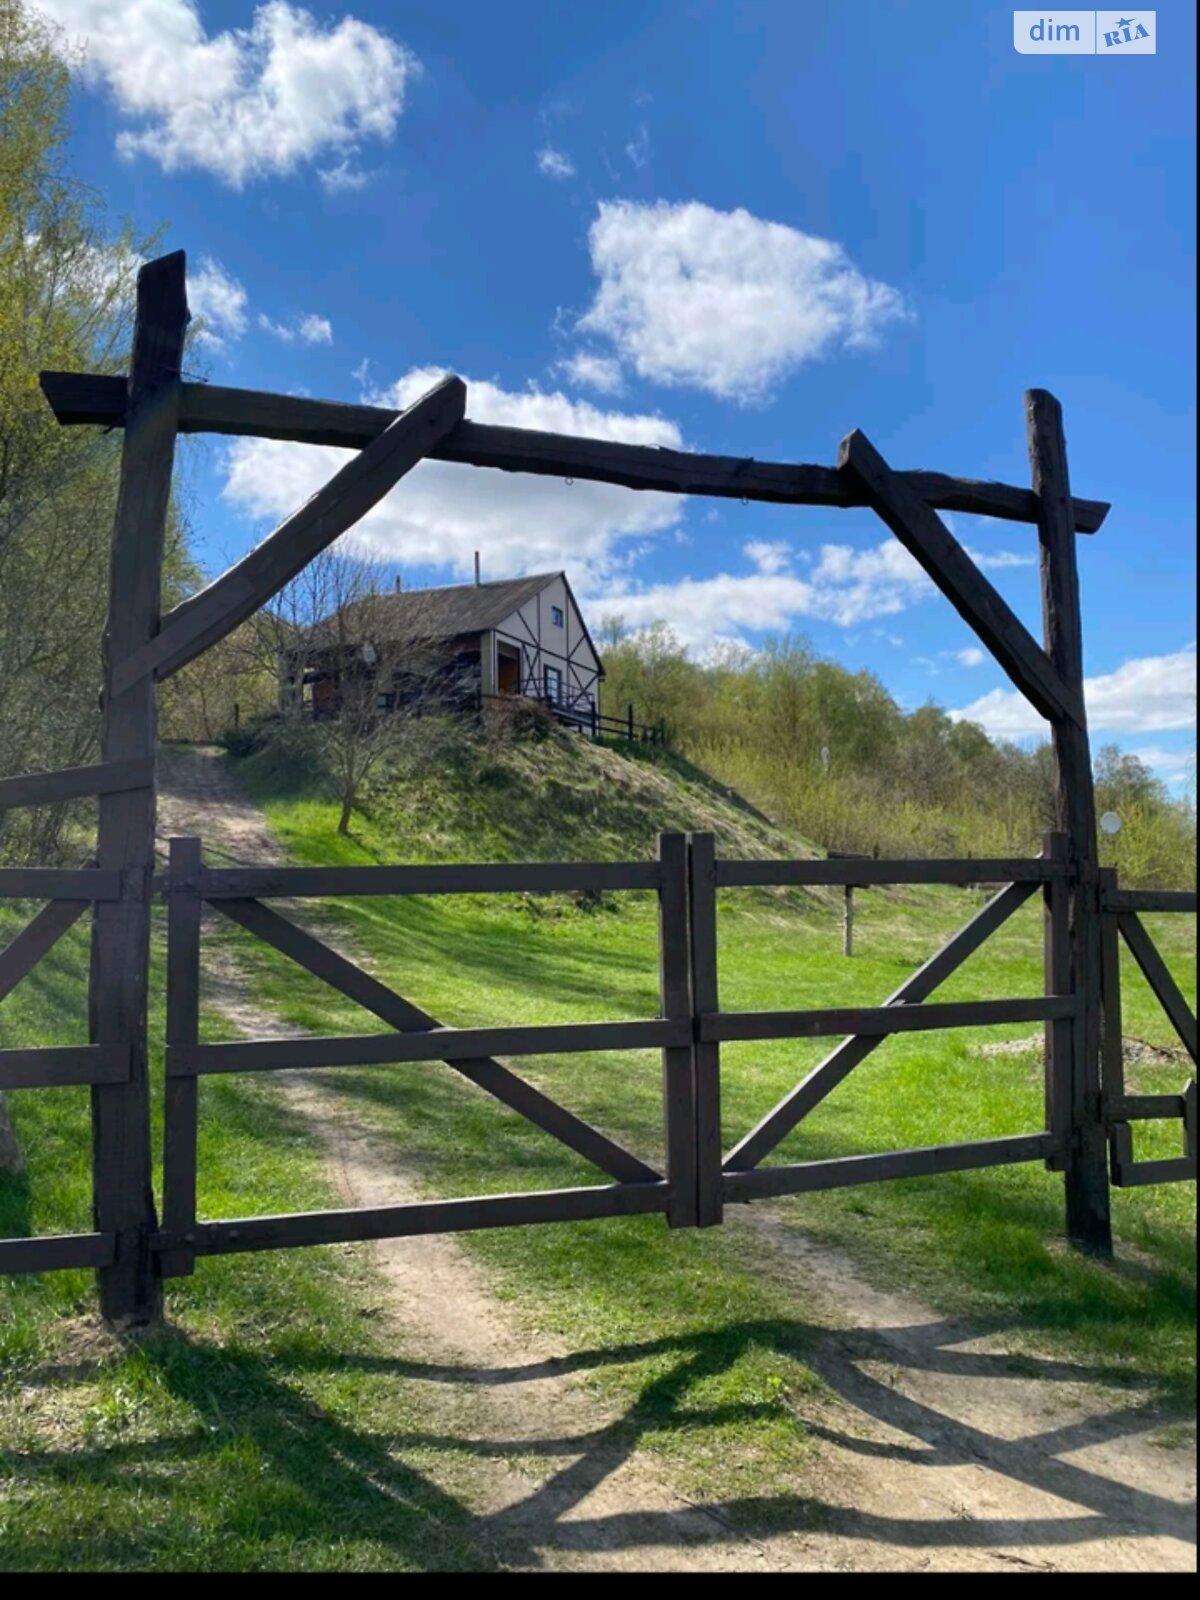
939, 1450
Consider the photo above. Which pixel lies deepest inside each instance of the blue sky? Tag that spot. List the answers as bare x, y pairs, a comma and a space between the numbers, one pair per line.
740, 227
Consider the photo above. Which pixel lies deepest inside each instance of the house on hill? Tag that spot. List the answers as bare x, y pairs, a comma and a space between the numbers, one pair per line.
454, 646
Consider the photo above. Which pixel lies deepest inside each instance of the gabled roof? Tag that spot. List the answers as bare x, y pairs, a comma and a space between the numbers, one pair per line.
431, 614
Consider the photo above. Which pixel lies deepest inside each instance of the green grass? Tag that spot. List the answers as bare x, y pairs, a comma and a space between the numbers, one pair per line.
279, 1424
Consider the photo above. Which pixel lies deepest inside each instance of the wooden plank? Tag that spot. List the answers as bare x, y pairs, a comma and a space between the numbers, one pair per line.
727, 1026
1130, 1174
679, 1097
54, 883
827, 1074
493, 1078
706, 1053
1158, 976
817, 874
931, 544
1089, 1221
1112, 1043
435, 1044
1156, 900
22, 953
843, 1171
181, 1099
55, 1067
1146, 1108
74, 783
529, 877
1057, 976
425, 1217
205, 618
56, 1252
122, 1169
210, 408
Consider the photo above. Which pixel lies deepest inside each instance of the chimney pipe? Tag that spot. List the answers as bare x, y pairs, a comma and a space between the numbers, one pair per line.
477, 580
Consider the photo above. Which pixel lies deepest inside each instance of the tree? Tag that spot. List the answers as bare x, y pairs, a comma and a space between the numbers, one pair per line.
66, 298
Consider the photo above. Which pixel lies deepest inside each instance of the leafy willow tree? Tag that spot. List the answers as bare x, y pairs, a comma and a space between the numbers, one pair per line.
66, 300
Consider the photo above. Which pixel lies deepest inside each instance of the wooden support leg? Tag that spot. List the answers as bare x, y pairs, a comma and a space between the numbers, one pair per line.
1089, 1224
123, 1200
706, 1057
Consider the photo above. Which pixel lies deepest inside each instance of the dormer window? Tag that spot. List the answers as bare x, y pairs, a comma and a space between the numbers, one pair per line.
556, 616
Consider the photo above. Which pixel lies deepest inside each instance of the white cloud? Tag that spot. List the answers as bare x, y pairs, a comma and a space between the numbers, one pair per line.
593, 371
440, 513
308, 330
638, 148
768, 555
1173, 766
244, 103
1000, 560
724, 301
1150, 694
554, 163
218, 302
843, 586
342, 179
972, 656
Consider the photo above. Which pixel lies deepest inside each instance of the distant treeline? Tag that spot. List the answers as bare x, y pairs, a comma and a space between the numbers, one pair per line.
829, 752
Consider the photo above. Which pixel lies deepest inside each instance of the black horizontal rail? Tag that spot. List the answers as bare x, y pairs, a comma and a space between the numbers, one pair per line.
863, 873
841, 1172
534, 877
55, 1252
55, 883
728, 1026
1145, 1108
420, 1217
434, 1044
1135, 900
56, 1067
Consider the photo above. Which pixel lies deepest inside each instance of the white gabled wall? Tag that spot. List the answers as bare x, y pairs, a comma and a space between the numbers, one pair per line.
543, 644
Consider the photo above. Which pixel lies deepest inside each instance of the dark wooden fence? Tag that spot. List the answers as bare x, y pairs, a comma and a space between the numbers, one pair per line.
1085, 912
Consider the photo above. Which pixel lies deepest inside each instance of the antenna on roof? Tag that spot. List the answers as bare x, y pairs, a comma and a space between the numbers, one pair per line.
477, 579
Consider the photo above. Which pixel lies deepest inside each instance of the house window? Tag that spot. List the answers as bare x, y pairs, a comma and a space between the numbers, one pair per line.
554, 685
556, 616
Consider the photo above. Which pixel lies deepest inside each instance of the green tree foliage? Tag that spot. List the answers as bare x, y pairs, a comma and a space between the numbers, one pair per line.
66, 298
830, 753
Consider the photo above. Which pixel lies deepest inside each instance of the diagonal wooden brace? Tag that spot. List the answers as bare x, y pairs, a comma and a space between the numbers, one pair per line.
927, 539
199, 622
26, 949
497, 1080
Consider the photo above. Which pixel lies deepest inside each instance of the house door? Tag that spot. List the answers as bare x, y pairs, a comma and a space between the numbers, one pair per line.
508, 669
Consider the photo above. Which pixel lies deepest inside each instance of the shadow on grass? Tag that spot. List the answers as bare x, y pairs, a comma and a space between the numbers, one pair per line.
312, 1480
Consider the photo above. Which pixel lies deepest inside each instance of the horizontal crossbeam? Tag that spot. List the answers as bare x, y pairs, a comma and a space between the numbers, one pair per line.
516, 877
843, 1171
727, 1026
74, 783
800, 874
56, 1251
209, 408
827, 1074
438, 1044
511, 1090
56, 1067
55, 883
1155, 900
421, 1217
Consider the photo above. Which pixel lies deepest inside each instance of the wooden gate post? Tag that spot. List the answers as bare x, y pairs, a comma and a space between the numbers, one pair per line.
706, 1057
679, 1099
123, 1199
1089, 1223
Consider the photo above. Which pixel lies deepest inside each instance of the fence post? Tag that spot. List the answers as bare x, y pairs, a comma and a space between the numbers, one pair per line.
706, 1058
679, 1103
123, 1199
183, 1027
629, 711
1089, 1222
848, 921
1059, 1036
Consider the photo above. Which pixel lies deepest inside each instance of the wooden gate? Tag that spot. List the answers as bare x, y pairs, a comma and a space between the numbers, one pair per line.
142, 647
